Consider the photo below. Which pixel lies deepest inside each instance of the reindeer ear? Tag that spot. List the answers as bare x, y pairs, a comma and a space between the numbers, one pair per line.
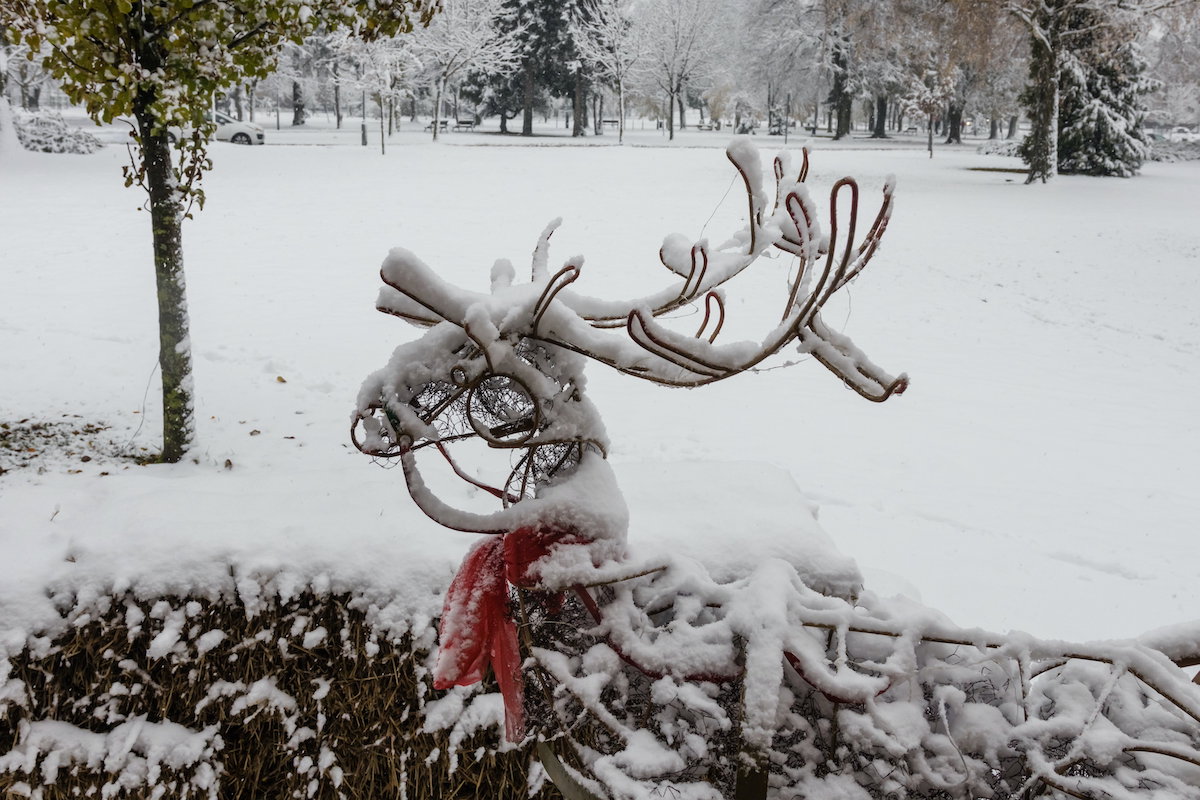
503, 274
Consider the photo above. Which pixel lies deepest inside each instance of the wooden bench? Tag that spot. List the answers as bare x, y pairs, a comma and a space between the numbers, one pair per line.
464, 125
442, 125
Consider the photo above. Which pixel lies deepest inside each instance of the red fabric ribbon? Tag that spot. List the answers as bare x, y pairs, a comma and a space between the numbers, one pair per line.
477, 627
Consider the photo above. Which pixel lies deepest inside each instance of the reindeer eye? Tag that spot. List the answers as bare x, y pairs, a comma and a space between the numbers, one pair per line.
502, 410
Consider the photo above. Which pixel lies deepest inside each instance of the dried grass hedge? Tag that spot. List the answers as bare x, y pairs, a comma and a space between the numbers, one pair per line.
302, 698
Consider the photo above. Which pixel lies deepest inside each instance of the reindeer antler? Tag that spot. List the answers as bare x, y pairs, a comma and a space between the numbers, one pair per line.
499, 366
673, 359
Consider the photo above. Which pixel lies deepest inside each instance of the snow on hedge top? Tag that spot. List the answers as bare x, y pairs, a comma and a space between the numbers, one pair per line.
254, 535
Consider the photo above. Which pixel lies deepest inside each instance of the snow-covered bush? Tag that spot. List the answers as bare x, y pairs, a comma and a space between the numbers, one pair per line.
1000, 147
1171, 152
48, 132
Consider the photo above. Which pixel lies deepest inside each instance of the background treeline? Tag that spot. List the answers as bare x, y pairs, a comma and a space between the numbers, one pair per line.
883, 66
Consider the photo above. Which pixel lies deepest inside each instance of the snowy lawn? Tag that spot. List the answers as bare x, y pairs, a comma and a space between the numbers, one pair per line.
1041, 474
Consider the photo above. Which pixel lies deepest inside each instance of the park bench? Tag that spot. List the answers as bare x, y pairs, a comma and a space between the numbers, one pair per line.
442, 124
464, 125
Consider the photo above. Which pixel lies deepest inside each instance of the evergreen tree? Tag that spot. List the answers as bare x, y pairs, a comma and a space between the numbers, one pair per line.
542, 30
502, 94
1085, 76
1102, 81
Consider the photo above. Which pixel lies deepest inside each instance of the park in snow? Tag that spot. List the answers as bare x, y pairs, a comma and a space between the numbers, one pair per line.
1040, 474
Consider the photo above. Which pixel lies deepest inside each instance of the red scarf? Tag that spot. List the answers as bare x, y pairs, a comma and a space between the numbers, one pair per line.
477, 625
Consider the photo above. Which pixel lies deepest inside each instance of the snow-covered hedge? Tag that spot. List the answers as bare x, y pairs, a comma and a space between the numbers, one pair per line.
688, 686
48, 132
244, 695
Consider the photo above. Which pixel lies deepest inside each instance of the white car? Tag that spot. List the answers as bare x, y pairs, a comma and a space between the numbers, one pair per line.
228, 130
1182, 134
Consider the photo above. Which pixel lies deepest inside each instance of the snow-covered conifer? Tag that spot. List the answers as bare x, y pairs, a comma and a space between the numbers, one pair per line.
1102, 82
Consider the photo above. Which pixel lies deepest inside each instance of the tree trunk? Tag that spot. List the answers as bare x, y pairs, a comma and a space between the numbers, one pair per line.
236, 97
844, 117
840, 99
337, 96
930, 134
954, 115
682, 114
598, 113
250, 87
1012, 127
881, 117
1040, 148
297, 104
579, 107
437, 107
527, 92
671, 116
620, 111
994, 129
174, 344
771, 108
8, 134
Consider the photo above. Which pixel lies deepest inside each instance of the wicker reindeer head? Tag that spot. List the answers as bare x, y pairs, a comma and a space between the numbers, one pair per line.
506, 367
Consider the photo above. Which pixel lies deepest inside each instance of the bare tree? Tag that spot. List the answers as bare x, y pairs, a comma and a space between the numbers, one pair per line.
681, 41
611, 45
776, 53
1175, 64
383, 71
25, 75
465, 36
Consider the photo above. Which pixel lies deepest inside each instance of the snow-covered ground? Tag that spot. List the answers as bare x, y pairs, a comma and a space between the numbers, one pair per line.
1042, 472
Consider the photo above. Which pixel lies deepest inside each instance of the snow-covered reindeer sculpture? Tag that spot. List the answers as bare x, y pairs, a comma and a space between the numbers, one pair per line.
653, 677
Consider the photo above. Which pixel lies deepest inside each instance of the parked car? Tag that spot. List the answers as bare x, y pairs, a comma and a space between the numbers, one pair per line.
1182, 134
228, 130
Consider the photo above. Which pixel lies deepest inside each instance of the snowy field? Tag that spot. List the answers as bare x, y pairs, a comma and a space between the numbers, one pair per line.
1042, 473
